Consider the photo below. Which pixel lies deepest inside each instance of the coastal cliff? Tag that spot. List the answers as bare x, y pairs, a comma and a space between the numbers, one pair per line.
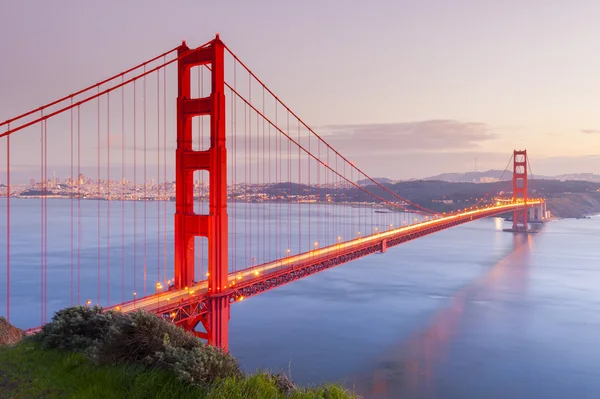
574, 205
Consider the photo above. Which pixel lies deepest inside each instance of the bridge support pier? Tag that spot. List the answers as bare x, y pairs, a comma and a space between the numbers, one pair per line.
188, 224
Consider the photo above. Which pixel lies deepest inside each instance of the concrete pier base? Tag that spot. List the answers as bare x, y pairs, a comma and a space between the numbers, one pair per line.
521, 231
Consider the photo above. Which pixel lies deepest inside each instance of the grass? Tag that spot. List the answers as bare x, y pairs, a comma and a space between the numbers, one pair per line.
26, 371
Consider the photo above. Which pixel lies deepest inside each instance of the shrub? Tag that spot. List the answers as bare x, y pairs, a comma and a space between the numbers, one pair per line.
200, 365
77, 328
145, 338
138, 336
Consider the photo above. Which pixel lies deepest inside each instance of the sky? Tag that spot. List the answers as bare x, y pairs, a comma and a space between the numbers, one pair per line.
427, 86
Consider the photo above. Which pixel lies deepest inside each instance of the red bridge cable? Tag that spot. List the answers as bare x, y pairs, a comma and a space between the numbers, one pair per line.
165, 169
318, 136
158, 198
134, 190
495, 185
264, 218
250, 166
8, 227
234, 170
145, 184
72, 206
109, 199
298, 193
530, 171
98, 195
122, 193
245, 184
42, 220
45, 219
8, 121
92, 97
277, 185
78, 204
300, 147
289, 170
321, 162
44, 215
310, 242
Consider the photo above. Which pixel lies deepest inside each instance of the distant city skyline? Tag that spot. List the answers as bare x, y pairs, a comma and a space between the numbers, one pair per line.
430, 85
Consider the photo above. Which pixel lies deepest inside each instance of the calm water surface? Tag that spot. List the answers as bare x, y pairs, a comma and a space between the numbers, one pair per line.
471, 312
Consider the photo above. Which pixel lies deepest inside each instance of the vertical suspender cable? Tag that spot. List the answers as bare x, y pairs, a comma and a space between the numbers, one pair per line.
298, 197
45, 218
158, 198
42, 220
278, 187
122, 192
250, 186
98, 195
309, 204
135, 189
71, 203
234, 137
264, 216
145, 187
79, 182
108, 197
8, 225
165, 168
246, 185
289, 168
257, 185
269, 185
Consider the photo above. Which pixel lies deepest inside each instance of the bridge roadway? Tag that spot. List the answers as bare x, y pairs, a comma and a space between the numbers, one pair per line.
182, 305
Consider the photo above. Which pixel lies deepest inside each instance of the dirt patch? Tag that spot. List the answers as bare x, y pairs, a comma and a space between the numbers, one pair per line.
9, 335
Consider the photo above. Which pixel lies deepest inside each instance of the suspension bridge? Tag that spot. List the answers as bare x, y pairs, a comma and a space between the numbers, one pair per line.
260, 199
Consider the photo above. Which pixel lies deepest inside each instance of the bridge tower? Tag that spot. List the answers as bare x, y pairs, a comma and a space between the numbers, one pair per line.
188, 224
520, 217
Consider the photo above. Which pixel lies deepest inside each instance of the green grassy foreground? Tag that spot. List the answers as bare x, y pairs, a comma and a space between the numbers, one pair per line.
26, 371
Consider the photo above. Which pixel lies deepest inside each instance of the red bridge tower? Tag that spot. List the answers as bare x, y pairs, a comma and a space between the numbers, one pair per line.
520, 189
188, 224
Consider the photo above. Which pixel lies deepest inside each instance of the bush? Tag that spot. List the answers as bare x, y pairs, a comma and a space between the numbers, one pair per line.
138, 336
144, 338
78, 328
201, 365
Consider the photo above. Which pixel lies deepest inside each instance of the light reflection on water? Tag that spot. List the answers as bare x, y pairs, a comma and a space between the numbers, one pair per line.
409, 367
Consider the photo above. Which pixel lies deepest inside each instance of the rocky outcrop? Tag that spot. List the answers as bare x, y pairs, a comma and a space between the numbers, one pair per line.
283, 383
9, 335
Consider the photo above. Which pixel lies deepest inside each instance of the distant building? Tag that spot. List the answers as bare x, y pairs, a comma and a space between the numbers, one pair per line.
487, 179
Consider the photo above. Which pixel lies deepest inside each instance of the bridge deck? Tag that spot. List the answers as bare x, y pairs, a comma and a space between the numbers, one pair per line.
181, 305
